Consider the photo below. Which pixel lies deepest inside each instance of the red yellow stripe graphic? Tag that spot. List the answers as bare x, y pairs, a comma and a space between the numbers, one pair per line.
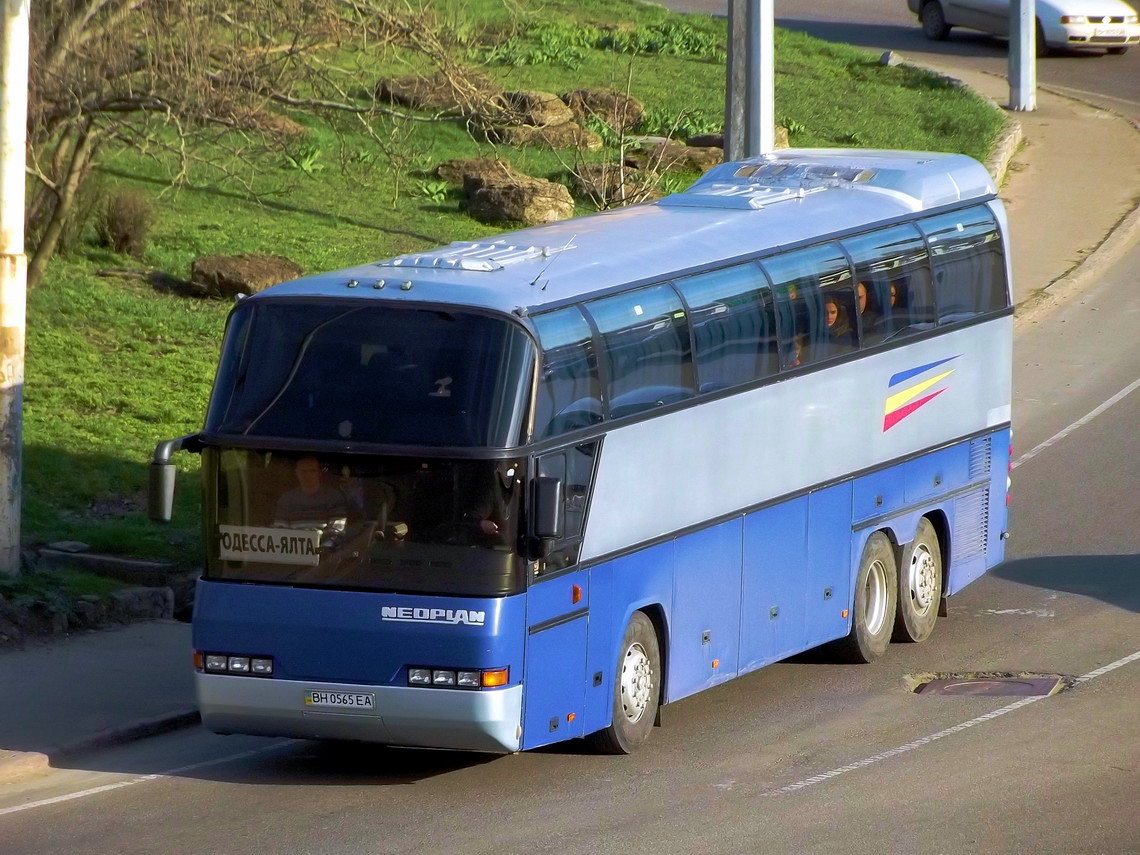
901, 404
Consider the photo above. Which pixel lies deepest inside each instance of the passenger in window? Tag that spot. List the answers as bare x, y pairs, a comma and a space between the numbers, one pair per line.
864, 304
838, 327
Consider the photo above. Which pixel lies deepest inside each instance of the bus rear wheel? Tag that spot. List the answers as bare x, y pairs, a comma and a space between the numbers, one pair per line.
637, 690
876, 589
920, 585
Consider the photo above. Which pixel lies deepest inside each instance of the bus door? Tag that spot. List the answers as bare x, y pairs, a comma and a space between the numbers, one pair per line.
558, 609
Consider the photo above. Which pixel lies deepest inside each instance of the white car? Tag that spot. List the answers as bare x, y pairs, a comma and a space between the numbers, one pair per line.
1108, 24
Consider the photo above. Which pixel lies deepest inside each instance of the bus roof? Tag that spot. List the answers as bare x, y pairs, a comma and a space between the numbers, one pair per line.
736, 209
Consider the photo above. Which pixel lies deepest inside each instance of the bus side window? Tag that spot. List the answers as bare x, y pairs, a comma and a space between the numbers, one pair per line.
568, 389
891, 265
645, 343
969, 268
575, 467
734, 326
802, 280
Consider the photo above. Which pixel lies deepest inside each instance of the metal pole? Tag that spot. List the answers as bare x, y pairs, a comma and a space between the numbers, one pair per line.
735, 96
761, 84
13, 272
1022, 55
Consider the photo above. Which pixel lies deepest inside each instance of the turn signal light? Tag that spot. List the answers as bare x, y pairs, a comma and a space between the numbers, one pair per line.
498, 677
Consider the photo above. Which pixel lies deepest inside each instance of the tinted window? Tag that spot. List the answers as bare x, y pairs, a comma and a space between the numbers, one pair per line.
645, 342
734, 326
368, 373
575, 467
969, 270
893, 290
568, 390
804, 283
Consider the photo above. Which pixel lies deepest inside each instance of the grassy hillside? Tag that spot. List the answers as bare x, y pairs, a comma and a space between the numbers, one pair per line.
114, 365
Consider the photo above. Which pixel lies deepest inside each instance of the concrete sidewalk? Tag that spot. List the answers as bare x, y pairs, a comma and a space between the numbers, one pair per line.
1071, 192
91, 690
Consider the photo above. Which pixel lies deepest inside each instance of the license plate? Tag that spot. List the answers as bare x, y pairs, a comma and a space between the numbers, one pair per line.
1108, 31
350, 700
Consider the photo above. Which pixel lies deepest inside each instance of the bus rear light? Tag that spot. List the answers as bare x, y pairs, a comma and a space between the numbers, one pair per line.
454, 678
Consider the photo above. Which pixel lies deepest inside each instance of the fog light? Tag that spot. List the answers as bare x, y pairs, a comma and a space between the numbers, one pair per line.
261, 666
419, 676
215, 663
239, 664
443, 678
470, 679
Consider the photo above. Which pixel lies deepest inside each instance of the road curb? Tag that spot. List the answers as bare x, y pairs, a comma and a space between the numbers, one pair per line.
1113, 245
24, 764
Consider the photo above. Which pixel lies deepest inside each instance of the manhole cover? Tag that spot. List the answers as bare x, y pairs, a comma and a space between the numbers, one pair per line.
991, 686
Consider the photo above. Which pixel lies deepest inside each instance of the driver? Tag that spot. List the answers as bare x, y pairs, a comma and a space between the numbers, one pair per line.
312, 503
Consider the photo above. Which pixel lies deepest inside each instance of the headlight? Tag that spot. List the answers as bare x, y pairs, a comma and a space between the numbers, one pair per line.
239, 664
215, 663
1074, 19
442, 678
1132, 19
419, 676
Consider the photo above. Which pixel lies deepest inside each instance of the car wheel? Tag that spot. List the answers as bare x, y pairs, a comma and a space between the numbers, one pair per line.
637, 689
933, 19
1117, 51
920, 585
1042, 48
873, 609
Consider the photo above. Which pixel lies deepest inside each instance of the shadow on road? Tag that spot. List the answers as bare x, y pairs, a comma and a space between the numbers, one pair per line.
897, 37
1113, 579
904, 39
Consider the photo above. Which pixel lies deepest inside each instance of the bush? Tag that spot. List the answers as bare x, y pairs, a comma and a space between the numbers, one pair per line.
126, 222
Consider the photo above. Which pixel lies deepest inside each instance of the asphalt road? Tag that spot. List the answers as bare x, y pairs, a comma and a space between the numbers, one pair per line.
803, 756
1111, 82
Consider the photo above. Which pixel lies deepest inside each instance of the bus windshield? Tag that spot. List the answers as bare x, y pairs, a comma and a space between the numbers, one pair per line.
324, 370
364, 522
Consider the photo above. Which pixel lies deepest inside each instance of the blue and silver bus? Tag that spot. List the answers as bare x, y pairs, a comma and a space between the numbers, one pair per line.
528, 489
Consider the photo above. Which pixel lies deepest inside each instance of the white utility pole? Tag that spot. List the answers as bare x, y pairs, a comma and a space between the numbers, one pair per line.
1022, 55
13, 273
750, 91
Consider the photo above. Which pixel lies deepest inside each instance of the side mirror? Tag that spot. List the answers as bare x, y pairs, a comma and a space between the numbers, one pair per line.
546, 507
160, 497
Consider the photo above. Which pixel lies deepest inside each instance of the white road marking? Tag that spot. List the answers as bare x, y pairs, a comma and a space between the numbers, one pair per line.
1037, 612
934, 737
169, 773
1057, 437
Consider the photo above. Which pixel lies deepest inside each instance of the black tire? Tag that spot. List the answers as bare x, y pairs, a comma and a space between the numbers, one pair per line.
920, 585
1042, 48
873, 610
933, 21
1117, 51
637, 690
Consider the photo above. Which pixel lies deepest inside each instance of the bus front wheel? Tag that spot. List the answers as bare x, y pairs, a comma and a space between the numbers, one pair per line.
920, 585
876, 589
637, 690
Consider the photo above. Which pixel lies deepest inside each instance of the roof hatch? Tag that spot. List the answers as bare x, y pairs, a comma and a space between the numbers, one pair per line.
468, 255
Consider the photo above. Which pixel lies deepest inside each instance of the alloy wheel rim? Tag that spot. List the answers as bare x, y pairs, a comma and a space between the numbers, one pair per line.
922, 581
875, 598
636, 681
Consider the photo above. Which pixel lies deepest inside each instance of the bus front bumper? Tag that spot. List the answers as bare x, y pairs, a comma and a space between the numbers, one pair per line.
486, 720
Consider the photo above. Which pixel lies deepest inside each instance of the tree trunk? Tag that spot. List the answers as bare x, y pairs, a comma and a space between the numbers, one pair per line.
78, 168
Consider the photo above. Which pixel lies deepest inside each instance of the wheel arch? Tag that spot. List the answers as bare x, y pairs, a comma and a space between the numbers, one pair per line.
941, 524
656, 614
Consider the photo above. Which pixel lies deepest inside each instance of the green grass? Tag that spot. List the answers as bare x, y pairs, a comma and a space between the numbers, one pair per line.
113, 366
55, 592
